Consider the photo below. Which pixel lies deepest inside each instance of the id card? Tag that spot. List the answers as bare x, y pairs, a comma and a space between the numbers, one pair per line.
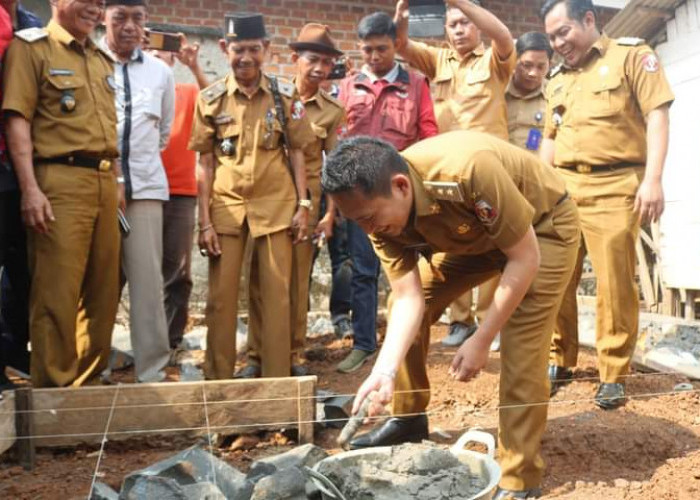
534, 137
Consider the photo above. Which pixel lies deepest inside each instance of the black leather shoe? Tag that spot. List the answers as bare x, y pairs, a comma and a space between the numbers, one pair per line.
250, 371
396, 430
610, 396
503, 494
559, 376
300, 371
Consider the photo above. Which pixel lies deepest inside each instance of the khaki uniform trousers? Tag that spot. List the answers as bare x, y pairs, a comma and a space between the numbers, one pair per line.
75, 277
273, 253
461, 308
302, 261
524, 386
610, 228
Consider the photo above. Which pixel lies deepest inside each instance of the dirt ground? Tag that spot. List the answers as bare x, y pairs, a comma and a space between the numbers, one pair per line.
650, 449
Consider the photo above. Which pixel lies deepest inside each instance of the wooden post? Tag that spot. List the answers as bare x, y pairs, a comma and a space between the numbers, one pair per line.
645, 276
307, 410
24, 418
690, 305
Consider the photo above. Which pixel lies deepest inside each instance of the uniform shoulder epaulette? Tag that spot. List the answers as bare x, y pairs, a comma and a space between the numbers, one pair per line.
31, 35
214, 91
286, 89
629, 41
332, 99
555, 70
446, 191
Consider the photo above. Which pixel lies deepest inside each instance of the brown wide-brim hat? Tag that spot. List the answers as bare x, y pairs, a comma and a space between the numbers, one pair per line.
316, 37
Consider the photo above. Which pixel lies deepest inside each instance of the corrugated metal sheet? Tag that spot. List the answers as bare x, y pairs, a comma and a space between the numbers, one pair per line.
643, 19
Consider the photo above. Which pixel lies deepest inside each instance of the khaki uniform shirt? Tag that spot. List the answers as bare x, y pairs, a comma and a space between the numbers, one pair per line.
595, 113
469, 91
42, 74
251, 180
470, 200
327, 116
525, 117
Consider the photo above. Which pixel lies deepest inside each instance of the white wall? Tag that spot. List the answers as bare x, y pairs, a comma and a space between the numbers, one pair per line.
680, 224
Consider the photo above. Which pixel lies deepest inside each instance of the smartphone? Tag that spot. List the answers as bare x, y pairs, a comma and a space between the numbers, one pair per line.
124, 226
169, 42
339, 70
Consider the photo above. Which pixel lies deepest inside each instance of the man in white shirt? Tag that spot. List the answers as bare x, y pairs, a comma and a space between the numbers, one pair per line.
145, 98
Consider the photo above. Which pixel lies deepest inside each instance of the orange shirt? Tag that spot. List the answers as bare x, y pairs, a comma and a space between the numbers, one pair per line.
180, 162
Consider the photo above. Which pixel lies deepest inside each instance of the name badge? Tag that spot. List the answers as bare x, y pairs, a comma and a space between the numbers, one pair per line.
534, 137
223, 119
61, 72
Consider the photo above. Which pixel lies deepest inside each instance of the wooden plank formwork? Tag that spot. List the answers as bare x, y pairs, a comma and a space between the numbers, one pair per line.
8, 433
72, 416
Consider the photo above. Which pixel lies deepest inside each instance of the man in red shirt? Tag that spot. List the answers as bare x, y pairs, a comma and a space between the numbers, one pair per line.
179, 210
386, 101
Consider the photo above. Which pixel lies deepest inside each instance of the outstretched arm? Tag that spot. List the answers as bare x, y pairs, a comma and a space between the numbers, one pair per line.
404, 323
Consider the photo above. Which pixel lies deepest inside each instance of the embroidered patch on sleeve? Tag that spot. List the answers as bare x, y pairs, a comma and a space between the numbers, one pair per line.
650, 63
486, 214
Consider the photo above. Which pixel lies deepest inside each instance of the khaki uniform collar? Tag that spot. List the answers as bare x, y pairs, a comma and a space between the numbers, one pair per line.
600, 46
512, 90
232, 84
478, 51
317, 97
60, 34
422, 201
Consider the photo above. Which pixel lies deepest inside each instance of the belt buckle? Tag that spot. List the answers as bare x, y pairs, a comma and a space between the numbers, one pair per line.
583, 169
105, 165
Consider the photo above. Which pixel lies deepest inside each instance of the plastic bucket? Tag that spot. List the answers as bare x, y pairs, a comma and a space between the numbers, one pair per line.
482, 465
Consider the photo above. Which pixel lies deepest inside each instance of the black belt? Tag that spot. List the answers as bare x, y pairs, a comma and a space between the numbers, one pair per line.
101, 164
583, 168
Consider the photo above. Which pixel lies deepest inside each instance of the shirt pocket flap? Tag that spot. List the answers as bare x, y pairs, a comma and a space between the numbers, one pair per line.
319, 131
556, 101
478, 76
225, 130
611, 82
66, 82
444, 76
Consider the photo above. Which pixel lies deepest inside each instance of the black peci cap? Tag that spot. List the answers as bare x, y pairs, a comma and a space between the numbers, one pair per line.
244, 26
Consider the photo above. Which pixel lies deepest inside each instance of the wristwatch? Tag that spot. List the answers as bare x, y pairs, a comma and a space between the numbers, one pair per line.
305, 204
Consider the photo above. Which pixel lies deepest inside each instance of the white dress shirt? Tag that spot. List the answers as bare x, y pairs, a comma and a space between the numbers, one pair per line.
145, 100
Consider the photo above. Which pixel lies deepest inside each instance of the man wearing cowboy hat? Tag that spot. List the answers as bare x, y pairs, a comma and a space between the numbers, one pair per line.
245, 188
314, 53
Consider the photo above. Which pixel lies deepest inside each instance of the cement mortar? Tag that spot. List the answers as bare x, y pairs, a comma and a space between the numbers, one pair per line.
411, 471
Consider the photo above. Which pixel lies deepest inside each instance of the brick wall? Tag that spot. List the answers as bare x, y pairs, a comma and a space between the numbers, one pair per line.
284, 18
